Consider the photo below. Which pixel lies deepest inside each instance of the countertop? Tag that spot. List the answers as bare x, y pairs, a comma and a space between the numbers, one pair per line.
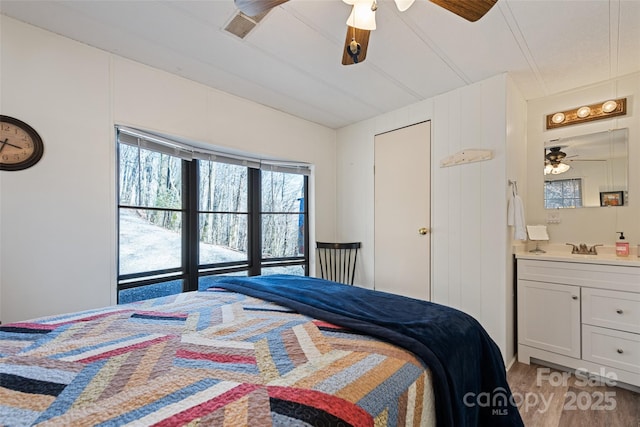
556, 252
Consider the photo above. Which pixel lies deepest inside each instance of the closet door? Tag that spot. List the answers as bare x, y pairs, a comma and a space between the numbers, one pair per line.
402, 211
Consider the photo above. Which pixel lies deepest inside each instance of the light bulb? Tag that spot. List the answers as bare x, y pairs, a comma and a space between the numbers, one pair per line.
560, 168
362, 16
584, 112
403, 5
609, 106
558, 118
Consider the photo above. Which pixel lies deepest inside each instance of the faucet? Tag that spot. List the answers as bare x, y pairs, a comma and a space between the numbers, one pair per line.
582, 249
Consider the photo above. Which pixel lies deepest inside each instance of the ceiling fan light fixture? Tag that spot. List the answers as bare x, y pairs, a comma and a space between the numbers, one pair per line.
560, 168
556, 168
362, 16
403, 5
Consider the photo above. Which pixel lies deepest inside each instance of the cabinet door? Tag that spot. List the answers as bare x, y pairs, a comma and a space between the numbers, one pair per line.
549, 317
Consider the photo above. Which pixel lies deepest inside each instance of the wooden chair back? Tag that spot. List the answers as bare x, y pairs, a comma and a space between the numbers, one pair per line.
337, 261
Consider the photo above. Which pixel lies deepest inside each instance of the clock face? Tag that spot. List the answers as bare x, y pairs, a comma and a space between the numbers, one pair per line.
20, 145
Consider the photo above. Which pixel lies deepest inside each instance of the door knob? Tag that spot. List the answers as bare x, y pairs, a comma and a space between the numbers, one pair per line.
423, 230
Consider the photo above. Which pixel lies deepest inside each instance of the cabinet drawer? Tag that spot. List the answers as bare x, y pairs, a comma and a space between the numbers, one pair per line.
613, 348
613, 277
611, 309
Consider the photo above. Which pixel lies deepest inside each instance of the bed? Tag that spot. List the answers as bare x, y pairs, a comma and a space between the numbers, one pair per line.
259, 351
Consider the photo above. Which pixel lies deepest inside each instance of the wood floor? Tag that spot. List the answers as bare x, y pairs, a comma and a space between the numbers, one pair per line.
548, 397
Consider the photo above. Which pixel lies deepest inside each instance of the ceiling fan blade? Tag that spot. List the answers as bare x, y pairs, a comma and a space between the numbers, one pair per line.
471, 10
256, 7
362, 38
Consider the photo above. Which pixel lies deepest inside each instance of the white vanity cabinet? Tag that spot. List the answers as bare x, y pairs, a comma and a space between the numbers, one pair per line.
549, 317
580, 313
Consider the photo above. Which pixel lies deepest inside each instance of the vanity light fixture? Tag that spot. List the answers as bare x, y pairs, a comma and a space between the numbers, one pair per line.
587, 113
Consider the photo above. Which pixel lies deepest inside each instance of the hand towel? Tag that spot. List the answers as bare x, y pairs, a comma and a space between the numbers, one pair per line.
515, 217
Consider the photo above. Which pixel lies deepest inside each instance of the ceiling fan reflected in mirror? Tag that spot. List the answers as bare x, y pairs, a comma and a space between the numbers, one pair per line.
361, 21
553, 161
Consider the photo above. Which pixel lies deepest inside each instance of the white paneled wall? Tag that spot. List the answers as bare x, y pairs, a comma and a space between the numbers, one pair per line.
586, 225
469, 204
58, 218
54, 221
470, 266
65, 260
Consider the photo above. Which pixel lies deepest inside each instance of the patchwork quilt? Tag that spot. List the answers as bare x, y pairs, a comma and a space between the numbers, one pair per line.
214, 357
467, 371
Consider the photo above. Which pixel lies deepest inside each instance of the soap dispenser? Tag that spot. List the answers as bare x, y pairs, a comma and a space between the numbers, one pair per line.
622, 246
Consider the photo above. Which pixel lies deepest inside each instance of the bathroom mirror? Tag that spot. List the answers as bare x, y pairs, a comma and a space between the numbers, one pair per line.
580, 170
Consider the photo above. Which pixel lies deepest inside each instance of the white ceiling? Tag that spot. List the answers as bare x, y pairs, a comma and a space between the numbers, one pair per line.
291, 61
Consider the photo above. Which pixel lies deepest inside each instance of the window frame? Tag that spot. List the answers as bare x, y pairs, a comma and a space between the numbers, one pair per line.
190, 270
281, 261
562, 182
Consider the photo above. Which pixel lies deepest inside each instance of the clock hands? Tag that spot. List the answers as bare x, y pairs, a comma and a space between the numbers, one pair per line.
5, 142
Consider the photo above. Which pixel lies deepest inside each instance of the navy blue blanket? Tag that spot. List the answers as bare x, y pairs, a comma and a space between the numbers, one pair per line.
468, 373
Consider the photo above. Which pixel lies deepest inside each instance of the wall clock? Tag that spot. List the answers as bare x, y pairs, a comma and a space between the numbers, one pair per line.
20, 145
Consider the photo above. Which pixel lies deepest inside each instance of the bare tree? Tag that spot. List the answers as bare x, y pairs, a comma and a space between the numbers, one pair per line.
151, 179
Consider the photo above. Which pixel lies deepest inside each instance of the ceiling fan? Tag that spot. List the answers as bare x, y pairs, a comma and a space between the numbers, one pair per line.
553, 161
555, 155
362, 19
